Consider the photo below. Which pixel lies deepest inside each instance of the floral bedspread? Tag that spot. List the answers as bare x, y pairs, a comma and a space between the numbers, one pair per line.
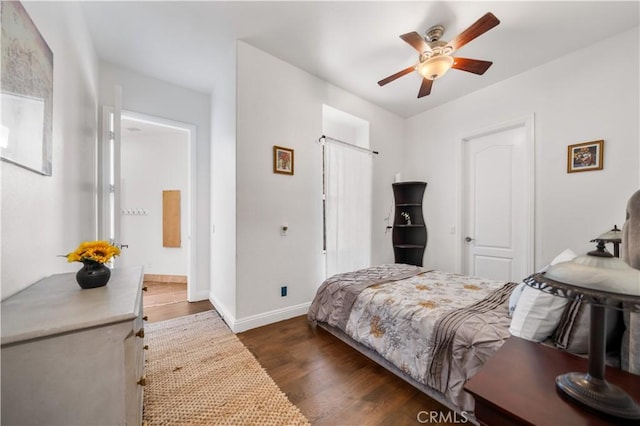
437, 327
337, 294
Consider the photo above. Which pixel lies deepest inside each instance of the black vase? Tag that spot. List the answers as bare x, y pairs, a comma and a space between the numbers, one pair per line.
93, 274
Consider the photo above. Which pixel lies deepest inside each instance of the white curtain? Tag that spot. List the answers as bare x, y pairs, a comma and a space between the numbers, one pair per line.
348, 177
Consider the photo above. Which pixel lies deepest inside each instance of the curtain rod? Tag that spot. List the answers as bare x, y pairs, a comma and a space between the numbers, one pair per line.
370, 151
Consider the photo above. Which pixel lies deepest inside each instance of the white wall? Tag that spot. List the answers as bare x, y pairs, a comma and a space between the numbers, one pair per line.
223, 187
153, 162
575, 99
282, 105
43, 217
345, 127
149, 96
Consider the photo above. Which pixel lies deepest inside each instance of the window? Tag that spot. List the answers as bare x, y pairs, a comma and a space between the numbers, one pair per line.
347, 176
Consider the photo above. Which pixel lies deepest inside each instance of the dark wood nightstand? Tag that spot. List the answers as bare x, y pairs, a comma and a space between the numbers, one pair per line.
517, 386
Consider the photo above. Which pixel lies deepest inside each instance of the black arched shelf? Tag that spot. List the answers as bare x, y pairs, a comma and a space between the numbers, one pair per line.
409, 234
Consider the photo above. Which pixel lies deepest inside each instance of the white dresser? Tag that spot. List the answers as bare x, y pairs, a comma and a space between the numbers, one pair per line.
72, 356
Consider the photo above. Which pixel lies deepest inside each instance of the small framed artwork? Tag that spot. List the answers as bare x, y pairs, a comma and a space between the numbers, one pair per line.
584, 157
282, 160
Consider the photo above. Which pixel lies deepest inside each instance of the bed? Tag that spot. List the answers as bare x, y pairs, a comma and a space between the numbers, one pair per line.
436, 329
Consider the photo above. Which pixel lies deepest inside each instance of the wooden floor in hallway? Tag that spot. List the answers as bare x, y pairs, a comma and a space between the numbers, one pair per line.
167, 300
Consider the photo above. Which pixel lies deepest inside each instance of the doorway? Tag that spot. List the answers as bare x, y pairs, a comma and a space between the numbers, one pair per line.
497, 219
150, 158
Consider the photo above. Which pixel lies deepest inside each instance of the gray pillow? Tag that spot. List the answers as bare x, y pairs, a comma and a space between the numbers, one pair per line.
572, 333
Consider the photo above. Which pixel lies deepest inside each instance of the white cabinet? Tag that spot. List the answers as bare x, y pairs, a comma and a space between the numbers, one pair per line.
72, 356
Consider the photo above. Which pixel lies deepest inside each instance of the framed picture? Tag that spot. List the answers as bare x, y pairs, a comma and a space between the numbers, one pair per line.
584, 157
282, 160
27, 91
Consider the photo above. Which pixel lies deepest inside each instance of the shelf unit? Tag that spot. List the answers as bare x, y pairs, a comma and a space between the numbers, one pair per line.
409, 235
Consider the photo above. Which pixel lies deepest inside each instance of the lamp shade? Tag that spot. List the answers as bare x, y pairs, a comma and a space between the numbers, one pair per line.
614, 235
435, 67
608, 274
611, 236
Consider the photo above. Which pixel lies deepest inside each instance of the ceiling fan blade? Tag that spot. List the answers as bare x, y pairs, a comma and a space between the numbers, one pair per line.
478, 28
425, 87
396, 75
416, 41
475, 66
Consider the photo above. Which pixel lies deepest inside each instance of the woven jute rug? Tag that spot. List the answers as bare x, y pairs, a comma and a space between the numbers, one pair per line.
199, 373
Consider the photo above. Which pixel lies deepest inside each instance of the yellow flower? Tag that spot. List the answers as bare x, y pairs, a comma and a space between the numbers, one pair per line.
95, 251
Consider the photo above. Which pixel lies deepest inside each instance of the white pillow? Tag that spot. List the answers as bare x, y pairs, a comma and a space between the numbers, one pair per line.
515, 296
565, 256
537, 314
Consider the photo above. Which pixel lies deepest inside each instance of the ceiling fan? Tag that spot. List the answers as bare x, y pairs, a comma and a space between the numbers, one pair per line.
435, 55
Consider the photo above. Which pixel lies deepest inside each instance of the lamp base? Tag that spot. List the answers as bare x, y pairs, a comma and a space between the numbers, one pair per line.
599, 395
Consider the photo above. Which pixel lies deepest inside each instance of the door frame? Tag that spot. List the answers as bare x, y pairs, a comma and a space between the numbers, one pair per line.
528, 122
191, 186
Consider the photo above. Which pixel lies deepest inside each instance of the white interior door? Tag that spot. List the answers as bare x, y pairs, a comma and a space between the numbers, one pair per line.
497, 204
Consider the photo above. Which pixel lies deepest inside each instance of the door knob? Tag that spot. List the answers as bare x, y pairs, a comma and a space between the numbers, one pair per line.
468, 239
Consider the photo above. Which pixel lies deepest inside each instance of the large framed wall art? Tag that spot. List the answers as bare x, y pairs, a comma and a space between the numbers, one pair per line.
26, 84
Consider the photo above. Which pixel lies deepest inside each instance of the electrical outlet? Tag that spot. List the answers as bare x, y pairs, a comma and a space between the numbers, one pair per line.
283, 291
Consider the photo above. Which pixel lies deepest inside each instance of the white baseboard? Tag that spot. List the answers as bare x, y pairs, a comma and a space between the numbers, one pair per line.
254, 321
270, 317
222, 310
200, 295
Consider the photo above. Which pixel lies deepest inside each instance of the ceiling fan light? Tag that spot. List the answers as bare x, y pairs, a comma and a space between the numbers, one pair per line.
435, 67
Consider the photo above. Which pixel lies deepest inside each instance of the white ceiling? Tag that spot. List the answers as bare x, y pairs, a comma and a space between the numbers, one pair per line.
349, 44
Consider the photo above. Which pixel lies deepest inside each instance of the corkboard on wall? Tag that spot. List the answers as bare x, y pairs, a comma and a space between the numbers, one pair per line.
171, 218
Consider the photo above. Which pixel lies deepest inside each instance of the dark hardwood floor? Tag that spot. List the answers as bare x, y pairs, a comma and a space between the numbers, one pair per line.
333, 384
163, 301
330, 382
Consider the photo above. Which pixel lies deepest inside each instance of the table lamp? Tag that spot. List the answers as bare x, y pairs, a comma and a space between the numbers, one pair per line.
603, 281
613, 236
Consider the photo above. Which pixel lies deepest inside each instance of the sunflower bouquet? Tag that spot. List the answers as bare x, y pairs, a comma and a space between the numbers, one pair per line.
93, 251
